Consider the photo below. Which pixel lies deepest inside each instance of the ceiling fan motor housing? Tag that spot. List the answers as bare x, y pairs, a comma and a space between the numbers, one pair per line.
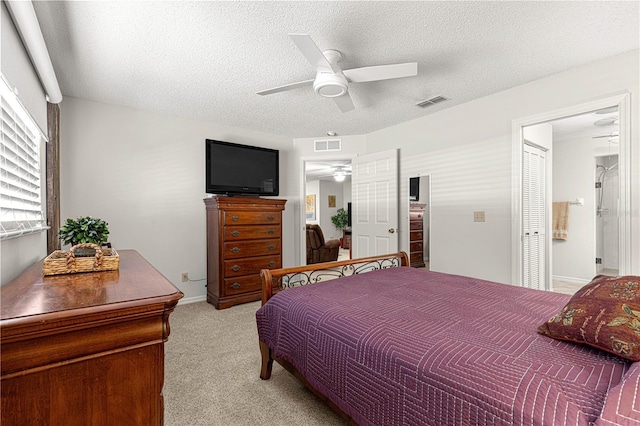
330, 85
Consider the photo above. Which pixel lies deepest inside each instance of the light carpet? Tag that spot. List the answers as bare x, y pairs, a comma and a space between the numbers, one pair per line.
212, 367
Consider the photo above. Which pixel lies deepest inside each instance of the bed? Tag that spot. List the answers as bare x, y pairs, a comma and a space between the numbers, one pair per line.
385, 344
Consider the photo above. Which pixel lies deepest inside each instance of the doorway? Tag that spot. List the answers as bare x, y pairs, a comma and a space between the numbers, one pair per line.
606, 214
419, 225
326, 189
576, 198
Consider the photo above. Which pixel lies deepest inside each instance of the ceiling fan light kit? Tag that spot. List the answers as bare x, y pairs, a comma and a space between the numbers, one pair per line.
330, 85
331, 81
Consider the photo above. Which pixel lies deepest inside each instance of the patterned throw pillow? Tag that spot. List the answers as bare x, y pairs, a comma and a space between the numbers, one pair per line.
604, 314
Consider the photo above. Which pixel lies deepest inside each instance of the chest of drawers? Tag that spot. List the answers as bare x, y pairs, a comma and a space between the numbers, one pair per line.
244, 235
85, 349
416, 235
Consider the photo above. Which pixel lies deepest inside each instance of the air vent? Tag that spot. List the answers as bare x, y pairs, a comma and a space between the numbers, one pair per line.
431, 101
327, 145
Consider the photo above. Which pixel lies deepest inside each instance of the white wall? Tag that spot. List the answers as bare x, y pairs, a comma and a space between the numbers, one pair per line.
574, 177
144, 174
322, 189
467, 150
313, 188
464, 179
330, 188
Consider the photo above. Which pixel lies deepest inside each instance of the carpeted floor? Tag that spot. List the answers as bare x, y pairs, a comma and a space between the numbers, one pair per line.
212, 366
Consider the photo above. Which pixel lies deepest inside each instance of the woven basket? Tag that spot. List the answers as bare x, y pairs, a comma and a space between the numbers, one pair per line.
66, 262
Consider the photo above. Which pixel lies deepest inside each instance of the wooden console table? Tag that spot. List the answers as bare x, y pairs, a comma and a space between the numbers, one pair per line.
85, 349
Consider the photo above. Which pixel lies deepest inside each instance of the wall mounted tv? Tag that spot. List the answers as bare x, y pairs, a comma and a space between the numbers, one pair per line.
235, 169
414, 189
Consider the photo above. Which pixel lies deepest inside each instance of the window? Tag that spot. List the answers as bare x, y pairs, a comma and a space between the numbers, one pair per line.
20, 192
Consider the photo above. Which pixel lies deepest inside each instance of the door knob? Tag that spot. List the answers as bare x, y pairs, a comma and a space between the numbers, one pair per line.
391, 231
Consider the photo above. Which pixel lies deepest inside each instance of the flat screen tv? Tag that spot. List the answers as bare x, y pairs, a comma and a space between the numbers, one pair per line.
235, 169
414, 189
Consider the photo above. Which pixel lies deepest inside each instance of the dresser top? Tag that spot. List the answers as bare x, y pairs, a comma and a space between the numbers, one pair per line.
32, 293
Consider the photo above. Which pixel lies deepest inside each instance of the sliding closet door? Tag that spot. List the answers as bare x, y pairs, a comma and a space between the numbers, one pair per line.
533, 217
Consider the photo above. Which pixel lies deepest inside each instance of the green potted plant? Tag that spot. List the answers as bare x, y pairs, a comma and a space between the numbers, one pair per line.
84, 230
340, 220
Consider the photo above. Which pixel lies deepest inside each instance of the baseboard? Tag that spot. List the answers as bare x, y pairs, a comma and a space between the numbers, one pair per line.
571, 279
194, 299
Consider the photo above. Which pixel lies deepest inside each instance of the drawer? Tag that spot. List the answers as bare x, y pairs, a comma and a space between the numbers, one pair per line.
237, 249
260, 232
252, 265
416, 236
416, 215
415, 226
241, 285
416, 257
251, 218
417, 246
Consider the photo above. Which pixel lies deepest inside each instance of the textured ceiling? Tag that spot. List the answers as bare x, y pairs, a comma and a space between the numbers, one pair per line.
583, 126
205, 60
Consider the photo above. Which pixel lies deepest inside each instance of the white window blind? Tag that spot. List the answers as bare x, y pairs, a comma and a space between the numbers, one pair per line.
20, 192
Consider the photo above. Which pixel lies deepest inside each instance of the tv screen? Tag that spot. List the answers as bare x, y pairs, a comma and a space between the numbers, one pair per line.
414, 188
241, 169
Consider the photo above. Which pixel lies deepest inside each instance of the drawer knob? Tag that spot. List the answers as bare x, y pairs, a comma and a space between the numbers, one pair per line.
235, 233
271, 264
271, 247
270, 218
235, 286
235, 268
235, 250
271, 231
235, 218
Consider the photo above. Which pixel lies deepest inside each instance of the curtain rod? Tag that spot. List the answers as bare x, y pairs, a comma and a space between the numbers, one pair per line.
25, 19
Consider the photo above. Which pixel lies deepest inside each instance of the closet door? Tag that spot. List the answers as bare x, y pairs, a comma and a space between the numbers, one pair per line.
533, 208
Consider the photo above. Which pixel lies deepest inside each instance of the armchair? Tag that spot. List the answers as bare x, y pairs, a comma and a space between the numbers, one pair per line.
319, 250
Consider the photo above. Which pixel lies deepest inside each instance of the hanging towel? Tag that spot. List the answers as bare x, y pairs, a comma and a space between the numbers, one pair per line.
560, 220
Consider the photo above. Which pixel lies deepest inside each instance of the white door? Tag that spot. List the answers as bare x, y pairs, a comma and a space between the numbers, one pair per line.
374, 223
533, 217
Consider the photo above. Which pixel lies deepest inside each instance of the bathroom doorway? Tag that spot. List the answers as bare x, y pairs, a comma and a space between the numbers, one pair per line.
606, 213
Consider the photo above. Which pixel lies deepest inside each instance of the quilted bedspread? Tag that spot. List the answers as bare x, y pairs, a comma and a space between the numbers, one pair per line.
403, 346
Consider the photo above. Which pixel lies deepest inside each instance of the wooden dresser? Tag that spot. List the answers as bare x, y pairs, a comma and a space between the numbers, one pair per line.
85, 349
244, 235
416, 235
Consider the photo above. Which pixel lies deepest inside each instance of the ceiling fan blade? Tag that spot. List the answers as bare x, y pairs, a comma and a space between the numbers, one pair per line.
285, 87
311, 51
381, 72
610, 135
344, 102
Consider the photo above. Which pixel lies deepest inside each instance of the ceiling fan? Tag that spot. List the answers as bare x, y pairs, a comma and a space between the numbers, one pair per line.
331, 81
611, 137
338, 170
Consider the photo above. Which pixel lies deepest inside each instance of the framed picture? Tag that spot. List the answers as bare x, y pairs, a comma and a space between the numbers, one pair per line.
332, 200
311, 207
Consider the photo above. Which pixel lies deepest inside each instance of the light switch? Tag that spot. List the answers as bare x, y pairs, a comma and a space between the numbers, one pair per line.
478, 216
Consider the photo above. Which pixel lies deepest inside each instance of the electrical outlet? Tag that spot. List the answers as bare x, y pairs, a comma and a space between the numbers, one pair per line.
185, 277
478, 216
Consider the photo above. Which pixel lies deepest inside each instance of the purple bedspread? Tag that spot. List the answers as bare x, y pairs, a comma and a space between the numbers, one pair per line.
404, 346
